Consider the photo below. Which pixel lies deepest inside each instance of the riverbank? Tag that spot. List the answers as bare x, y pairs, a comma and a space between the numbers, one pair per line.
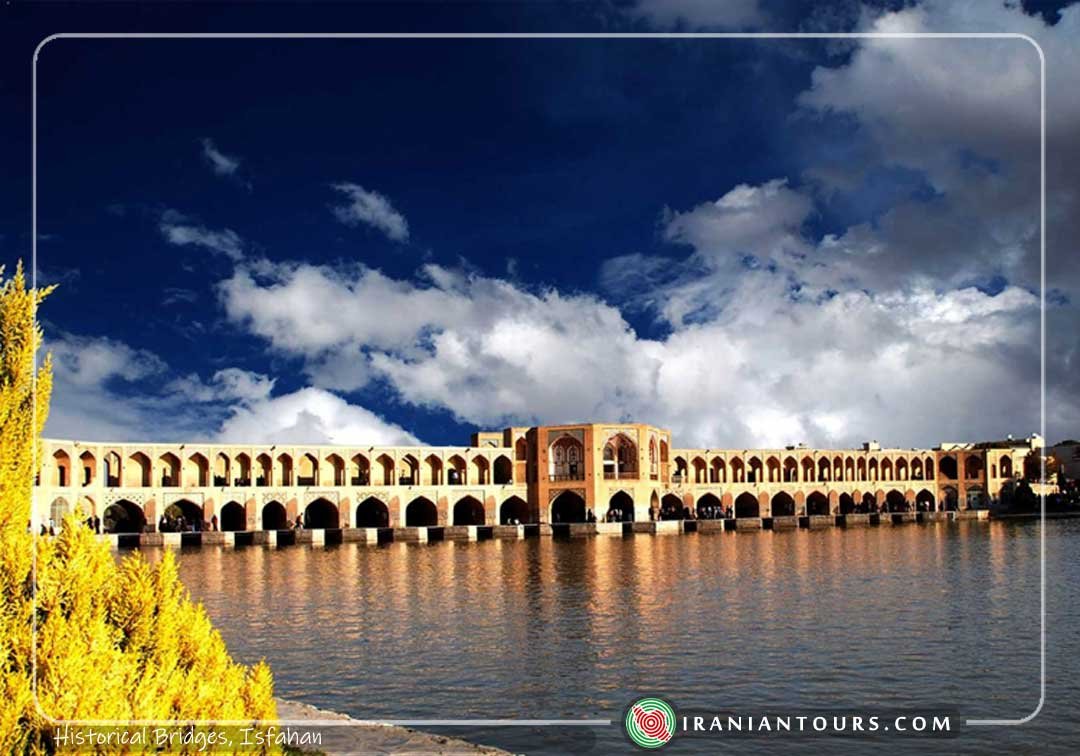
342, 734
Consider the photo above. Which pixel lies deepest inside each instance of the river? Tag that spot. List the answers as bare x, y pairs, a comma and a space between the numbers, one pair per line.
939, 617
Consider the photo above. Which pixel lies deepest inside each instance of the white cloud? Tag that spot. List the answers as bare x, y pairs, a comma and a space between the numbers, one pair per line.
179, 230
220, 163
372, 209
311, 416
105, 390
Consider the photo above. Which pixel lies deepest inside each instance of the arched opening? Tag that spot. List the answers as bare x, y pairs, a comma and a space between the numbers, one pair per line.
384, 470
137, 471
514, 511
746, 505
783, 505
360, 470
264, 470
421, 513
808, 470
57, 510
860, 467
242, 470
455, 472
916, 469
372, 513
410, 471
336, 468
88, 463
504, 471
321, 514
847, 504
233, 517
894, 501
307, 473
950, 497
1006, 467
817, 504
274, 517
567, 457
468, 511
197, 471
709, 507
837, 468
700, 470
671, 507
681, 475
183, 515
433, 467
568, 507
480, 471
717, 471
976, 497
621, 508
521, 450
772, 470
924, 500
869, 502
849, 469
886, 469
123, 517
284, 470
973, 467
929, 467
620, 457
756, 471
791, 470
222, 463
823, 470
112, 469
948, 467
901, 469
170, 470
62, 464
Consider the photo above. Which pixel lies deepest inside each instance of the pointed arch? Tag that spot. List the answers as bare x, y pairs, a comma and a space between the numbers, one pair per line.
514, 511
233, 517
274, 516
372, 513
782, 505
123, 517
567, 507
321, 514
421, 513
469, 511
746, 505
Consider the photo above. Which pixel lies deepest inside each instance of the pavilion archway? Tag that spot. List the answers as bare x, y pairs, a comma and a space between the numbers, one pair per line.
321, 514
514, 509
421, 513
469, 511
817, 504
233, 517
746, 505
568, 507
372, 513
123, 517
274, 516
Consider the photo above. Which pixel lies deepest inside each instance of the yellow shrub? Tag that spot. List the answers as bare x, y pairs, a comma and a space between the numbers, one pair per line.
113, 641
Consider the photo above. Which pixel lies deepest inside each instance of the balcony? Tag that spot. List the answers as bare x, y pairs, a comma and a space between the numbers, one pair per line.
566, 476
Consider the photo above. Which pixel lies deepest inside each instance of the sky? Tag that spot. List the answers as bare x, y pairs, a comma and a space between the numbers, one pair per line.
752, 243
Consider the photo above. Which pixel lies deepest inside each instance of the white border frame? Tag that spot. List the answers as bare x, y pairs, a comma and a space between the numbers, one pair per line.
569, 35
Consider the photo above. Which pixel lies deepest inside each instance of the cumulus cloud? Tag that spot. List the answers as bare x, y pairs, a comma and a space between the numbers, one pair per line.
311, 416
220, 163
372, 209
181, 231
773, 366
105, 390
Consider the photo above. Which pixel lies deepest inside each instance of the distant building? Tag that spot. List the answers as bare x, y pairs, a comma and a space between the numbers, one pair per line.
546, 474
1067, 454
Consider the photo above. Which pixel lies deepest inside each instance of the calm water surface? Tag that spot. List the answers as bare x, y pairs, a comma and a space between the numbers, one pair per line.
925, 616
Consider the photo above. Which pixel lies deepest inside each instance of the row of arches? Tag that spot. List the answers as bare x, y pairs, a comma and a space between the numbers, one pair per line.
125, 516
139, 470
790, 469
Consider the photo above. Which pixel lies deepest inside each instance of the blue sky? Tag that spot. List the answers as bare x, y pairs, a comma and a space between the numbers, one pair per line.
374, 241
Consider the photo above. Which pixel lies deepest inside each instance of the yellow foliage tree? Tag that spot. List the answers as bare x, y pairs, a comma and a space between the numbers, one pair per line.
113, 641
